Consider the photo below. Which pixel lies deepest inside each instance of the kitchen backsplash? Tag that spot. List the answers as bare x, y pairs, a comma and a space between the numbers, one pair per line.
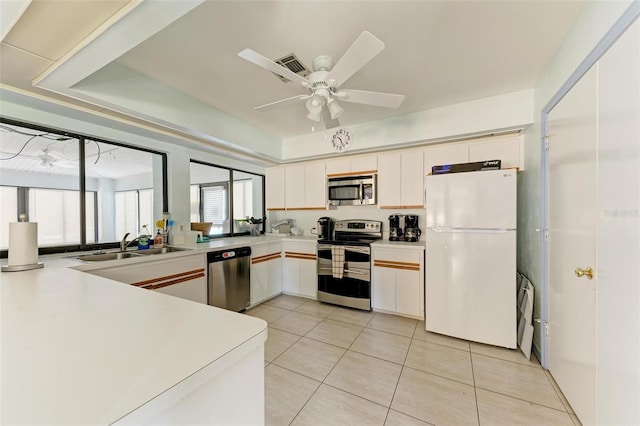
306, 219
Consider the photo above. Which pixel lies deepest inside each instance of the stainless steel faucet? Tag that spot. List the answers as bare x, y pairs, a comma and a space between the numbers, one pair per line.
123, 242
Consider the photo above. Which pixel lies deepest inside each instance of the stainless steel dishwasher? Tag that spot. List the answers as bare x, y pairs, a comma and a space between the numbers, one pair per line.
229, 281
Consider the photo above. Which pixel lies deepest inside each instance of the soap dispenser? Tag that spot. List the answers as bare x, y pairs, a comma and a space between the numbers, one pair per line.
143, 238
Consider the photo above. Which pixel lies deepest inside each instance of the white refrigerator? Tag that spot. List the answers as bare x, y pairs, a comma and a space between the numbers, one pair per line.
470, 258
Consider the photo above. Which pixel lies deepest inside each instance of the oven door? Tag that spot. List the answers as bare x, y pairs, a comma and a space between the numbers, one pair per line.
354, 288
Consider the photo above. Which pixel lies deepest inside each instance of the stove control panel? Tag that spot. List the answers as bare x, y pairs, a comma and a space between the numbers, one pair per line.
358, 226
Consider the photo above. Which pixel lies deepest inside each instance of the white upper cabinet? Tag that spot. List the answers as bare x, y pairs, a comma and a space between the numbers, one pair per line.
275, 188
505, 149
365, 164
445, 154
295, 187
305, 186
315, 186
401, 180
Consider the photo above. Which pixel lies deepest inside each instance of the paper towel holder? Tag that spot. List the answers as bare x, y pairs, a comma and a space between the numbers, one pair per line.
17, 268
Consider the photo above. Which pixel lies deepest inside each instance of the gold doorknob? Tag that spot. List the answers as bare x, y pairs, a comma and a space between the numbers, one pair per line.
588, 272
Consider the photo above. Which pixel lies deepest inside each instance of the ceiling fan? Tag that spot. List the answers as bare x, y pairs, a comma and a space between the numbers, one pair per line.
54, 158
323, 84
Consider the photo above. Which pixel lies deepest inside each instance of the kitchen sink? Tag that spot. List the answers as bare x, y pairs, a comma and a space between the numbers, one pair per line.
117, 255
160, 250
107, 256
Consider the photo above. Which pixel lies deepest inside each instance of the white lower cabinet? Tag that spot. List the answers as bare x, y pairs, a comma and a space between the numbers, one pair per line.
398, 281
182, 277
266, 272
299, 270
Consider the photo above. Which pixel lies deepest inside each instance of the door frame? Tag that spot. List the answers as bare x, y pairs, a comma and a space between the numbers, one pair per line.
612, 35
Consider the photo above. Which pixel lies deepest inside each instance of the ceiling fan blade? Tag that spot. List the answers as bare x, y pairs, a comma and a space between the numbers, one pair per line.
386, 100
329, 123
364, 49
268, 64
293, 99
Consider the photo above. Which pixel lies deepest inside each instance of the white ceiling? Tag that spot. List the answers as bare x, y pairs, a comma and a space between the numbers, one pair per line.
437, 52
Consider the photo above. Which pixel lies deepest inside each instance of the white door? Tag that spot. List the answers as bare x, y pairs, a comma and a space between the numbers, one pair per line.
572, 235
618, 296
484, 199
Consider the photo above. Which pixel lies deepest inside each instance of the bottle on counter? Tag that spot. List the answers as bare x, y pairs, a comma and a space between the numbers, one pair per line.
158, 241
143, 238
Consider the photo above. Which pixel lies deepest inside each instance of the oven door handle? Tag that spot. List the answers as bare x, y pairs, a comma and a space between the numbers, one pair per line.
351, 271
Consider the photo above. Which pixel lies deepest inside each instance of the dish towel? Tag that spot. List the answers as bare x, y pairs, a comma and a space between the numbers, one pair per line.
337, 261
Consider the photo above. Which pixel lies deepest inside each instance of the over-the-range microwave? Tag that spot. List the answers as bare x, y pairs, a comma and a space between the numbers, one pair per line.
352, 190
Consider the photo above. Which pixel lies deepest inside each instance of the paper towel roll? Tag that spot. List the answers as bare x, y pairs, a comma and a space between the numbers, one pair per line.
23, 243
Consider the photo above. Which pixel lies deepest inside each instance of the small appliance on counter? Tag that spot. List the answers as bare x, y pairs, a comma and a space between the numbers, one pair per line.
325, 228
283, 226
404, 228
411, 231
396, 227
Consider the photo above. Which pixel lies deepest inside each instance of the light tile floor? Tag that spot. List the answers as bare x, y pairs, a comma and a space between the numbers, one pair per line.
328, 365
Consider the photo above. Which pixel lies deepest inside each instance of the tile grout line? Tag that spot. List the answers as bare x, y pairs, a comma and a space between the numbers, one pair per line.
325, 377
475, 388
565, 408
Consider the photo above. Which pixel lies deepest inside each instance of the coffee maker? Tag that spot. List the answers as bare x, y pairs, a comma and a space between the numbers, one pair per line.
411, 231
396, 227
325, 228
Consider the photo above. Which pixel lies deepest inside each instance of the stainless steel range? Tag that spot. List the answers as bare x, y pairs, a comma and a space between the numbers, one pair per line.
344, 263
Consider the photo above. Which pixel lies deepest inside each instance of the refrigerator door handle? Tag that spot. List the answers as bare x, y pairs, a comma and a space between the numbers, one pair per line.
471, 230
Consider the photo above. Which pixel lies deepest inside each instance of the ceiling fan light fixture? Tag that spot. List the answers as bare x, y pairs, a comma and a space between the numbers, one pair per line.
335, 109
314, 104
315, 116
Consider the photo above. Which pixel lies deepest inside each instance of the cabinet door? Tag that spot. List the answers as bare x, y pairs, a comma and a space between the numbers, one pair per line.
195, 290
446, 154
259, 281
162, 274
338, 166
505, 149
274, 286
408, 294
412, 180
291, 275
383, 289
294, 187
315, 186
275, 190
365, 164
389, 171
308, 278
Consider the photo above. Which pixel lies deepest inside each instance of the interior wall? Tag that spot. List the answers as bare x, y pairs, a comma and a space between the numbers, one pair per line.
139, 96
594, 21
475, 118
307, 219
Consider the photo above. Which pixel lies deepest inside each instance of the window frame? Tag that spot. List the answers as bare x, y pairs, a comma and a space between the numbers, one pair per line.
82, 139
229, 198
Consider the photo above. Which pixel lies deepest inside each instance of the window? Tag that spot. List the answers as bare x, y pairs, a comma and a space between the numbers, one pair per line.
134, 209
84, 193
213, 188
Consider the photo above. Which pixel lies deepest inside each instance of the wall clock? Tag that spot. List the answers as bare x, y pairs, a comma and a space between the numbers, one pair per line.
341, 139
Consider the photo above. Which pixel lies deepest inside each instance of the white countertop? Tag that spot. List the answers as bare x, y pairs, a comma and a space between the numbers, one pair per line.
80, 349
